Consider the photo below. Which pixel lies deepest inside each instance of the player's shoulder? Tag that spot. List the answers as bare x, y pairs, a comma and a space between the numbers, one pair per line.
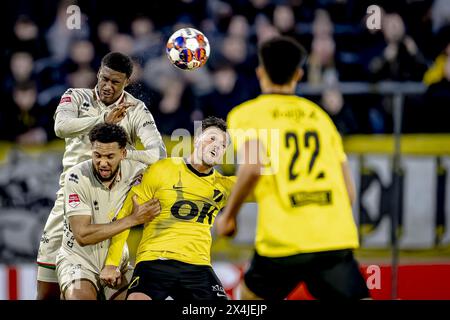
80, 172
223, 178
133, 167
79, 92
130, 98
316, 111
243, 109
140, 105
165, 163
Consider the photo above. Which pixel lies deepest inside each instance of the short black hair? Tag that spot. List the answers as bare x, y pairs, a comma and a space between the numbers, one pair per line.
118, 62
107, 133
280, 57
214, 122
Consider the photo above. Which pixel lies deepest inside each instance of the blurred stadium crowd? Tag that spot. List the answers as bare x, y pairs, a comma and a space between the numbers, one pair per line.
42, 58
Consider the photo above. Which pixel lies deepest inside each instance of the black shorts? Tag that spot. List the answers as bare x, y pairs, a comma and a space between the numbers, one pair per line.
160, 279
327, 275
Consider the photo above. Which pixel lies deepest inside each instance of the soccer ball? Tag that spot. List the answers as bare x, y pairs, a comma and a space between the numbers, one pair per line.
188, 49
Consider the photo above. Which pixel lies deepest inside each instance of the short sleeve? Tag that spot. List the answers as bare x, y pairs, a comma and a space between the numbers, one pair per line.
76, 200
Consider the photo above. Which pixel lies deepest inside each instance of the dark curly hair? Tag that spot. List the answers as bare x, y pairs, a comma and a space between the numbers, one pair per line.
118, 62
107, 133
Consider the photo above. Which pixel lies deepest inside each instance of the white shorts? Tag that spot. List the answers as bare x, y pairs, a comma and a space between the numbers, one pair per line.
51, 240
70, 269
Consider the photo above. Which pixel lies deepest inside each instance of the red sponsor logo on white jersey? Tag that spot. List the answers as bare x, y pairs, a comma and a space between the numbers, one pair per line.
65, 99
74, 200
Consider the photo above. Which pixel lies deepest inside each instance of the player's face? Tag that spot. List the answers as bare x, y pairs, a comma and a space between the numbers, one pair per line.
106, 158
110, 84
211, 146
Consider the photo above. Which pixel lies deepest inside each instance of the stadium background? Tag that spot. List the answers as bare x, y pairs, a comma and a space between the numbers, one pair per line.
390, 105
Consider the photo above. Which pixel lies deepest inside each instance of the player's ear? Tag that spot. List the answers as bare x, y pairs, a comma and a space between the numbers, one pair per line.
124, 153
259, 72
299, 73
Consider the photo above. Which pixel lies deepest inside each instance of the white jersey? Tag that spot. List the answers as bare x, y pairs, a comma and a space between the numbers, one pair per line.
80, 110
84, 194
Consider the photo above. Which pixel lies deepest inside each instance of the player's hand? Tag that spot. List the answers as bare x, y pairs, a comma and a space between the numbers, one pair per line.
145, 212
111, 276
116, 114
226, 225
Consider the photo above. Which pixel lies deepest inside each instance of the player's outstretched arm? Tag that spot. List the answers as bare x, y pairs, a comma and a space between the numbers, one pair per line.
87, 233
247, 177
349, 182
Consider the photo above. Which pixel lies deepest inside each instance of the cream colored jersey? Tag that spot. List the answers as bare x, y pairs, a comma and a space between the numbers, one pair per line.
84, 194
80, 110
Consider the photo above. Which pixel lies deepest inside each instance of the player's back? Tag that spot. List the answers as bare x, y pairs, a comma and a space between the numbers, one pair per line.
302, 197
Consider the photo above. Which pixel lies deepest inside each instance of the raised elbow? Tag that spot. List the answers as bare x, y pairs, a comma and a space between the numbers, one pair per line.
60, 132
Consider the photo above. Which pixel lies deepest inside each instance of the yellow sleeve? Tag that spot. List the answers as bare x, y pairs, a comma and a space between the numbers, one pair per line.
436, 72
118, 241
144, 191
336, 141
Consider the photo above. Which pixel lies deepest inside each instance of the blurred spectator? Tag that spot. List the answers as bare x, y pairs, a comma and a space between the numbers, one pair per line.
284, 20
341, 114
264, 30
321, 66
59, 36
174, 106
400, 59
106, 30
254, 8
138, 88
26, 37
230, 89
234, 50
435, 72
147, 42
437, 103
20, 70
157, 68
440, 14
239, 27
24, 121
322, 24
81, 56
123, 43
82, 78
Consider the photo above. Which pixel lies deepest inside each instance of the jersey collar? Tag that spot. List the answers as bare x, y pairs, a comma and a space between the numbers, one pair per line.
194, 171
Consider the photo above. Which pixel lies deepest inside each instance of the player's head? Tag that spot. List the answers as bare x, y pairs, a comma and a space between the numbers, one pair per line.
280, 62
108, 149
211, 141
113, 76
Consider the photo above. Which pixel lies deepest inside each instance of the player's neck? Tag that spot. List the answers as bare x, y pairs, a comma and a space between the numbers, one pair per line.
198, 165
278, 89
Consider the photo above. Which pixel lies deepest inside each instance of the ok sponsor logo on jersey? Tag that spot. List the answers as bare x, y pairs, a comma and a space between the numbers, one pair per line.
188, 209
